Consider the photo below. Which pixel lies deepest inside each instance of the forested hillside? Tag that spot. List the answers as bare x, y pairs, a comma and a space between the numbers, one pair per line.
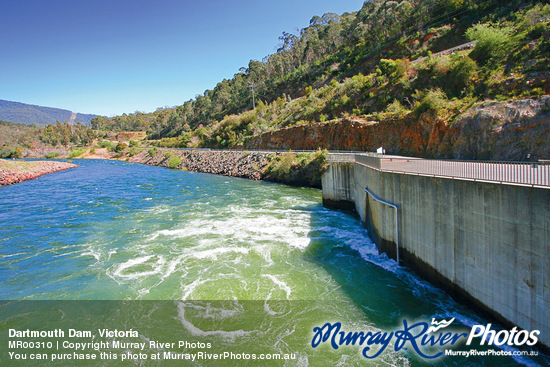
378, 63
30, 114
14, 137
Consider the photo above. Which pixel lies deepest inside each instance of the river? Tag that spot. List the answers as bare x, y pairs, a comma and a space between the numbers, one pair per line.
253, 265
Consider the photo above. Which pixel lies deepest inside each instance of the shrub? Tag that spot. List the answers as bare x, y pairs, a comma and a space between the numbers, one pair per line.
51, 155
7, 153
120, 147
387, 67
280, 168
167, 155
174, 162
432, 101
133, 143
76, 153
105, 144
537, 31
18, 153
133, 151
304, 169
358, 83
492, 42
152, 152
396, 107
403, 67
344, 100
460, 74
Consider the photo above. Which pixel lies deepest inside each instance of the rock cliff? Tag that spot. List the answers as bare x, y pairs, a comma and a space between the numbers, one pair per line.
492, 131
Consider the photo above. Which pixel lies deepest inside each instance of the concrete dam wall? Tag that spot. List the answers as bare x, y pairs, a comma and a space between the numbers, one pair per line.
487, 243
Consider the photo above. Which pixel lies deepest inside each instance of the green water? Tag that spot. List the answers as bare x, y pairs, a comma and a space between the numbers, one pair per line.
244, 265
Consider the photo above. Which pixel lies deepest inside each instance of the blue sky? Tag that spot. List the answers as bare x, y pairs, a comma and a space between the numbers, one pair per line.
111, 57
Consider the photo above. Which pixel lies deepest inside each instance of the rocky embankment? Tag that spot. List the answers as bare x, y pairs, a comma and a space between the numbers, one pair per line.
304, 169
12, 172
228, 163
509, 131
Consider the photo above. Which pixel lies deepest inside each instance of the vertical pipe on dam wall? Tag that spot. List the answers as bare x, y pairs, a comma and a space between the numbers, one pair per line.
486, 243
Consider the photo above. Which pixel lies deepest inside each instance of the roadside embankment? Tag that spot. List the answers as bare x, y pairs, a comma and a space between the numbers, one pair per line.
298, 169
502, 131
12, 172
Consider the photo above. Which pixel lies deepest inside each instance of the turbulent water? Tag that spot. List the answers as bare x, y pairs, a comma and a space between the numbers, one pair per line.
266, 259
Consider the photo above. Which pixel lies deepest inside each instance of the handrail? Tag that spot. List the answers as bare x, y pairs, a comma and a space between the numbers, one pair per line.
376, 198
519, 173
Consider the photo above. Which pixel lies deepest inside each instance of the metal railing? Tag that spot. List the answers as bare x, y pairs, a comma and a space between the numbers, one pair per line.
522, 173
253, 150
449, 50
341, 158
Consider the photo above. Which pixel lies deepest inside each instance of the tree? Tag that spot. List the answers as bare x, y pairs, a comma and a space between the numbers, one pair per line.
288, 40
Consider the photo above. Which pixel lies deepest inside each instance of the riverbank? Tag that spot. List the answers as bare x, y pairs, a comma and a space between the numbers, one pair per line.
12, 172
297, 169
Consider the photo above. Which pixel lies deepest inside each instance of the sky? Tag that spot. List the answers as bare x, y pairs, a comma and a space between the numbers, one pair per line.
110, 57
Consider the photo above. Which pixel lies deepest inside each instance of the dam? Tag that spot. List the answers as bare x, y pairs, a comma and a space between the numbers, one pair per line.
479, 230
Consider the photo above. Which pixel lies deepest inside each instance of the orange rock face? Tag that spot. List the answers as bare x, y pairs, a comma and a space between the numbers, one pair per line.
509, 131
348, 135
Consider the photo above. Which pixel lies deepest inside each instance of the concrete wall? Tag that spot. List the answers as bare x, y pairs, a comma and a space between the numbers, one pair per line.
337, 190
485, 243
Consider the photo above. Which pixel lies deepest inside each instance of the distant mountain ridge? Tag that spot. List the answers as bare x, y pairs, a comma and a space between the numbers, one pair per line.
31, 114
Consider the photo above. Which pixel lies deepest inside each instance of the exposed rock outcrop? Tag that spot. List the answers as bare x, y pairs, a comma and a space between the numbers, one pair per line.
503, 131
493, 130
347, 134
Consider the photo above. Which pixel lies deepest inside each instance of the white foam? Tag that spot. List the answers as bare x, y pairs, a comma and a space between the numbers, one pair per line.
112, 252
91, 252
300, 243
213, 253
188, 289
244, 224
211, 312
156, 267
229, 335
280, 283
172, 265
264, 252
189, 231
159, 209
267, 309
10, 255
